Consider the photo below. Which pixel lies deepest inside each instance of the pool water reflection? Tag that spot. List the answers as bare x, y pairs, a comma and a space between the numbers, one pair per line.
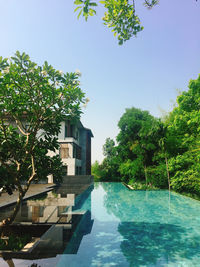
120, 227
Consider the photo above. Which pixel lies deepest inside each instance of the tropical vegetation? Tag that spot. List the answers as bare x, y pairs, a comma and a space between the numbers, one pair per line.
33, 102
120, 15
157, 152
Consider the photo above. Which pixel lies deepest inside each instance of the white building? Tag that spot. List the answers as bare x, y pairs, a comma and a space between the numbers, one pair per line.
75, 148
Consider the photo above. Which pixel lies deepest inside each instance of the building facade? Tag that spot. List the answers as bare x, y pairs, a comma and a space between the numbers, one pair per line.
75, 148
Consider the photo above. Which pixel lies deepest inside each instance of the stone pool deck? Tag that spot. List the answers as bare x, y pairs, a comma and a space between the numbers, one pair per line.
34, 189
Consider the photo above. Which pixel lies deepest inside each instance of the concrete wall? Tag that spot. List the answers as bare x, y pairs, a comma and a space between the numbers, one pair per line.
71, 164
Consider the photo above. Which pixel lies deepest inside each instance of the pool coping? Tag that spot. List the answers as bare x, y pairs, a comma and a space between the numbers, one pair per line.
131, 188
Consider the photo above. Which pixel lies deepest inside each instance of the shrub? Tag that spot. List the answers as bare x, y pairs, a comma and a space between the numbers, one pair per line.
157, 176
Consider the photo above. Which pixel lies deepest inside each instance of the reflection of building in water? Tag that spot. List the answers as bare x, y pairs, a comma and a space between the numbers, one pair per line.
62, 220
46, 210
64, 238
50, 209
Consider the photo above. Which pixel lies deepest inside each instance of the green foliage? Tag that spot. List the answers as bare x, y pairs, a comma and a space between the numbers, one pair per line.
157, 175
141, 186
183, 128
186, 181
110, 170
138, 140
34, 100
109, 148
163, 153
185, 173
97, 171
14, 242
132, 170
85, 8
119, 16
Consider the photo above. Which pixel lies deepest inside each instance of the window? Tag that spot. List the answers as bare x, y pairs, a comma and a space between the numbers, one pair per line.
76, 151
76, 137
64, 151
71, 130
66, 129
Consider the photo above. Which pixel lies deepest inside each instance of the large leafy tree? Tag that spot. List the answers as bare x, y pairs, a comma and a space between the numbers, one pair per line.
164, 152
119, 15
33, 102
110, 164
137, 141
109, 148
183, 129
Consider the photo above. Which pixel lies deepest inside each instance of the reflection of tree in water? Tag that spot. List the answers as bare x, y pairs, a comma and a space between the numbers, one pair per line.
96, 185
146, 243
115, 199
130, 205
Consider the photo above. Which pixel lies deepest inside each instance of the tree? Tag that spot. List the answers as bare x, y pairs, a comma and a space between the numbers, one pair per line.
108, 170
183, 128
164, 153
109, 148
97, 172
119, 15
33, 102
137, 141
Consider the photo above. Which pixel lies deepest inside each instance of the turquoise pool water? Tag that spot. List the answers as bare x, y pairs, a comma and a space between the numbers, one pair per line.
138, 228
120, 227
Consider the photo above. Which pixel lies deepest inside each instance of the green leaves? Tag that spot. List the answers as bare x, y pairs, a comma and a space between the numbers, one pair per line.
78, 2
85, 7
119, 16
150, 4
33, 102
165, 153
32, 88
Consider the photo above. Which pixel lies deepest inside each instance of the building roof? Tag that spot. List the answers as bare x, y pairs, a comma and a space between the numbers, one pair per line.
87, 129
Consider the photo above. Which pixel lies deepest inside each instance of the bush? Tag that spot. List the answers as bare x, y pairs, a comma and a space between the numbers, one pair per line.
132, 170
14, 242
186, 181
157, 176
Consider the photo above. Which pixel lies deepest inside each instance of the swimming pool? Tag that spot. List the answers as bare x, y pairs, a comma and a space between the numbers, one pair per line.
132, 228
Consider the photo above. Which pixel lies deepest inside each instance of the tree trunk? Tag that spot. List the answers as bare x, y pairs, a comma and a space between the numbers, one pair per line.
167, 169
10, 219
10, 263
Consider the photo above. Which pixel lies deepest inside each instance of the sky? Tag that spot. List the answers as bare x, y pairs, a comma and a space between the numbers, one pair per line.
147, 72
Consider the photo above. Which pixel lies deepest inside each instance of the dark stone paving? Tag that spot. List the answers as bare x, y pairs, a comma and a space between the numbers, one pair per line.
34, 189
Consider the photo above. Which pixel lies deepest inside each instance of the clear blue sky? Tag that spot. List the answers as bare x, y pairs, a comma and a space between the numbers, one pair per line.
145, 72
